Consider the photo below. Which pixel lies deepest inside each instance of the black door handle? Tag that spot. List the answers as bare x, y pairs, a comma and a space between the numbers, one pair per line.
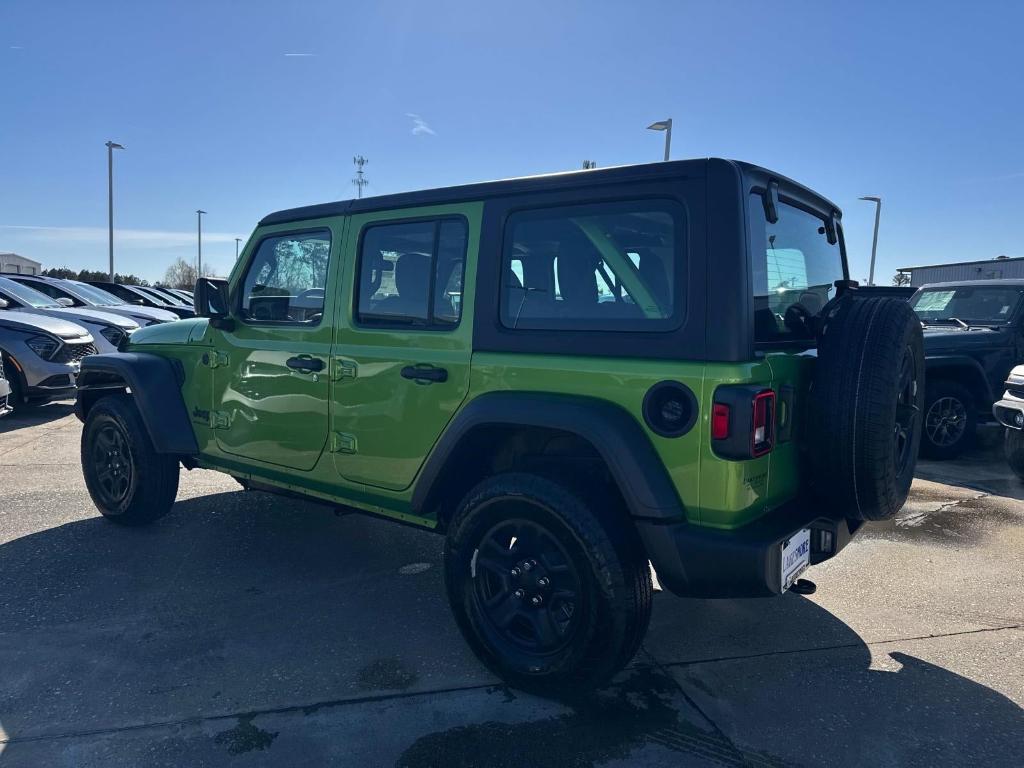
423, 373
305, 364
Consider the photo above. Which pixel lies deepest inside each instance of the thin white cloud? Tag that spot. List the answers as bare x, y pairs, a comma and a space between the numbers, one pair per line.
300, 55
137, 238
17, 48
419, 125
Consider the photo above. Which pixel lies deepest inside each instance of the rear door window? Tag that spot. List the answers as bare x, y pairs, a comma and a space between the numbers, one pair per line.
411, 273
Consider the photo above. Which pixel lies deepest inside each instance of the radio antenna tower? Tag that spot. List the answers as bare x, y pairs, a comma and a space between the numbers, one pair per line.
360, 181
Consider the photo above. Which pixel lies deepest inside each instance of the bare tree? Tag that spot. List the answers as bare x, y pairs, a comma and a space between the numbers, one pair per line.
182, 274
901, 278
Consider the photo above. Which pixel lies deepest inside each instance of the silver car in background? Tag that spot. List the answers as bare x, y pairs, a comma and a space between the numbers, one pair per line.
89, 296
41, 356
107, 329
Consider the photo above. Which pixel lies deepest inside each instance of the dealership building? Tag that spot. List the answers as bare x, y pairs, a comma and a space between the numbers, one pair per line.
989, 269
13, 264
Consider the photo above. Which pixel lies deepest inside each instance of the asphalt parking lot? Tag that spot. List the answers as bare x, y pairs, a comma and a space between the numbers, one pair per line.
249, 630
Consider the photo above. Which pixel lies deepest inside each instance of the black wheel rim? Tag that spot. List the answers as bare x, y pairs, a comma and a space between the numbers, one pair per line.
112, 465
907, 412
526, 587
945, 421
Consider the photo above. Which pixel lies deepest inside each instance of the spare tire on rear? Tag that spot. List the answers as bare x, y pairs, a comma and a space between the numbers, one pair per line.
865, 406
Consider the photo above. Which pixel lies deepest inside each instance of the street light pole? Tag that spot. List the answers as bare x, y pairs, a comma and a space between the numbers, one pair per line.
666, 126
874, 240
199, 232
238, 242
111, 146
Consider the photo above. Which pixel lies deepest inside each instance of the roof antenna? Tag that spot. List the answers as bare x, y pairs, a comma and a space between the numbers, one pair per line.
360, 181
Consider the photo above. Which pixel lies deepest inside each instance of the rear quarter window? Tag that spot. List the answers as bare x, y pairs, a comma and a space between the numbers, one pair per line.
601, 267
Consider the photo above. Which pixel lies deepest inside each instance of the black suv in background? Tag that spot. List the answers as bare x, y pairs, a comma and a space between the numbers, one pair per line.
973, 337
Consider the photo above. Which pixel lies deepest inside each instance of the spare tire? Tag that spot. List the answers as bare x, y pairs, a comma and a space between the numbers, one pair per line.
865, 404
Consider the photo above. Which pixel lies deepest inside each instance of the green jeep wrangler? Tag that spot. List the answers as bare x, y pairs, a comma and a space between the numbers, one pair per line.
572, 377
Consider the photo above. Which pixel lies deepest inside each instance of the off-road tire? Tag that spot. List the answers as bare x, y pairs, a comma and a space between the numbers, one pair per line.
864, 416
615, 596
149, 479
1013, 449
946, 390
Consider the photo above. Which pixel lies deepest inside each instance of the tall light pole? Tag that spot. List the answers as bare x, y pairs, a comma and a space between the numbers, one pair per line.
666, 126
111, 146
238, 242
199, 232
874, 240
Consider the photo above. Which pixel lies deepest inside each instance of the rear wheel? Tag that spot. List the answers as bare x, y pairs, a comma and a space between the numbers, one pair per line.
130, 483
949, 420
550, 595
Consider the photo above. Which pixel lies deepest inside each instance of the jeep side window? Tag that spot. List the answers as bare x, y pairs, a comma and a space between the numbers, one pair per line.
793, 268
286, 279
411, 273
604, 266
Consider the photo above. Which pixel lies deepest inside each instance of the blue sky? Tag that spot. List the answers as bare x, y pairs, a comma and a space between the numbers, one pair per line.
921, 103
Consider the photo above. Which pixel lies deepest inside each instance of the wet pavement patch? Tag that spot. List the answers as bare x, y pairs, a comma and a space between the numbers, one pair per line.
245, 737
386, 674
605, 726
965, 521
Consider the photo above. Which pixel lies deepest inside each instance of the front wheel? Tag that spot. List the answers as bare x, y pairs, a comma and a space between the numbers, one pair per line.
949, 420
550, 595
1013, 449
130, 483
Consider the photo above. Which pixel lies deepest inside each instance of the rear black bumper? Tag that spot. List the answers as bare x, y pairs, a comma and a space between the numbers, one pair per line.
694, 561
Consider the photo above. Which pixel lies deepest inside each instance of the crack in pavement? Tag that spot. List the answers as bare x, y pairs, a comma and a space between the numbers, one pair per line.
307, 708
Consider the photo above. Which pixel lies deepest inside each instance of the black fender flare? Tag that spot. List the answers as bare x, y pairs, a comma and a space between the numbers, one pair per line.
155, 384
615, 434
932, 362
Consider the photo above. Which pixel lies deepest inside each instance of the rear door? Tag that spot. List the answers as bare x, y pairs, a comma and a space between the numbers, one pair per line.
400, 367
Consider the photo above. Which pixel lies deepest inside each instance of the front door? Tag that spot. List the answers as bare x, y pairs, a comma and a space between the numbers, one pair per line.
401, 362
271, 378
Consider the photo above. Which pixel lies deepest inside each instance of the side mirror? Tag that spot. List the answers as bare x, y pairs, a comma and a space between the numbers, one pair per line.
65, 302
4, 304
211, 300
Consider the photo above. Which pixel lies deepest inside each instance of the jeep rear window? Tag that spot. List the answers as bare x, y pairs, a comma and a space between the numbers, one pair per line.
793, 266
601, 267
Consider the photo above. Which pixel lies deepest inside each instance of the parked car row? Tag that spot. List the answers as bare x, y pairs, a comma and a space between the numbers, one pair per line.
48, 325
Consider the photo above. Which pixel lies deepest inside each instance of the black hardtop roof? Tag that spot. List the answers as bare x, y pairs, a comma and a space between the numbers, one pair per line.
1006, 282
696, 168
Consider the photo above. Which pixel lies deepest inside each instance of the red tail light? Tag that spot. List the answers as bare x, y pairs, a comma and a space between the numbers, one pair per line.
719, 421
762, 425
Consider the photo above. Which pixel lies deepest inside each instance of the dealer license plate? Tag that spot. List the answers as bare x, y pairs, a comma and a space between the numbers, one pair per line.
796, 557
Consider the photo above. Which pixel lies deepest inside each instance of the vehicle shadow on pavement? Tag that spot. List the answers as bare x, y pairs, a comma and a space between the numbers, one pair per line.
245, 627
33, 417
